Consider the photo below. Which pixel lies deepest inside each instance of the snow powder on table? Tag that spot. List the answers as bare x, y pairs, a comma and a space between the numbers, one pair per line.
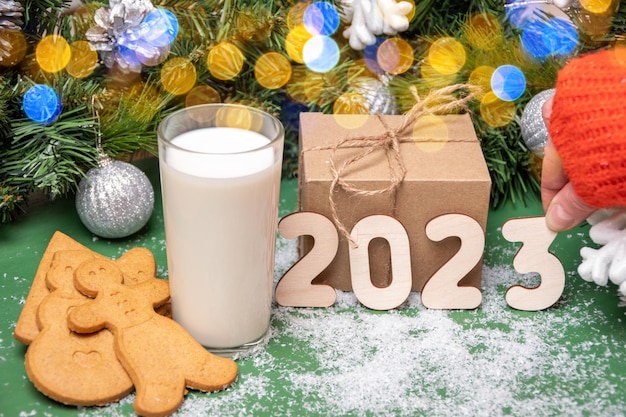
348, 360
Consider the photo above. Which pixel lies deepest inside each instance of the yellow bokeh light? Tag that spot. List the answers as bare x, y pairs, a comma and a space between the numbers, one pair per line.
225, 61
238, 117
272, 70
447, 55
351, 103
395, 56
202, 94
53, 53
295, 17
481, 77
596, 6
294, 43
496, 112
178, 76
483, 31
83, 60
12, 48
430, 133
435, 78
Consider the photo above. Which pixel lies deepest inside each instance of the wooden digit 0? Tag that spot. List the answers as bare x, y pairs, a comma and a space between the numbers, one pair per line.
295, 288
442, 290
534, 256
371, 296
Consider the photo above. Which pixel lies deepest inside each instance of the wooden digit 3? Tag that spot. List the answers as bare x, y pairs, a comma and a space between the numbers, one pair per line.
534, 256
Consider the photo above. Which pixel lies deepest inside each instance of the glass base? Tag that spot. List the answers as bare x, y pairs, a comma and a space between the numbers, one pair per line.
243, 351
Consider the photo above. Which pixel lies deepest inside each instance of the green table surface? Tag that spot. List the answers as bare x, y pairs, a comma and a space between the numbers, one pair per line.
569, 360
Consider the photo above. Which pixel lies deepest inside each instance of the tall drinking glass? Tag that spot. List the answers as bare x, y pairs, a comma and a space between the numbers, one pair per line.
220, 169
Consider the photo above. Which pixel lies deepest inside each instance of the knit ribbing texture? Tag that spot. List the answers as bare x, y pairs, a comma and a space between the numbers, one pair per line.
588, 126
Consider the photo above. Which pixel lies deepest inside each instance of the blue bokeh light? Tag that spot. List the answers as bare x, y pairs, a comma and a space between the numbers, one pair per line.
149, 42
370, 55
554, 37
41, 104
320, 54
160, 28
321, 18
508, 82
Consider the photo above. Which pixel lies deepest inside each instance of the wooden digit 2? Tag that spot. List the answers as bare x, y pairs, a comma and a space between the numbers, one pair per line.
367, 293
534, 256
295, 288
442, 290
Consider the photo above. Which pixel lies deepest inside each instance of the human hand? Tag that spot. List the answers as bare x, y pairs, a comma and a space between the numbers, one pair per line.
564, 209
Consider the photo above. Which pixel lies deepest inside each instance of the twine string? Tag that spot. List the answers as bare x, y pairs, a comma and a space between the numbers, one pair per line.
441, 101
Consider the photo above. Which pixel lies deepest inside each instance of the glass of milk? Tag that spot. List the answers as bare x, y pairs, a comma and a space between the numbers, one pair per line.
220, 168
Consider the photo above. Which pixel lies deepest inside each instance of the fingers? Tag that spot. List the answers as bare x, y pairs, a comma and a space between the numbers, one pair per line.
566, 210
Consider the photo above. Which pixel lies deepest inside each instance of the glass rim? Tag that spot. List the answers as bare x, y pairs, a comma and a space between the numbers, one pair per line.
280, 129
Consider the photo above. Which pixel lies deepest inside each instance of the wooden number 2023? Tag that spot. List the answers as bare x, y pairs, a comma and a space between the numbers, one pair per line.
295, 288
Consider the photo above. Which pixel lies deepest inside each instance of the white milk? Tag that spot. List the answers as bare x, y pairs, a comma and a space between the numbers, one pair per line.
221, 214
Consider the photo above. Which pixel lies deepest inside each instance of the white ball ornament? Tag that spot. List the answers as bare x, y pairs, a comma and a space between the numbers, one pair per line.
115, 199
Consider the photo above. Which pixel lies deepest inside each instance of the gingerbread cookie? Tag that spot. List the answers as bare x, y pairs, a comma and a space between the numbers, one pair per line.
79, 369
161, 358
73, 368
26, 328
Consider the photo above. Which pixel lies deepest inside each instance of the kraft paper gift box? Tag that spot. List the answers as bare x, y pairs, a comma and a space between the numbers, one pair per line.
445, 172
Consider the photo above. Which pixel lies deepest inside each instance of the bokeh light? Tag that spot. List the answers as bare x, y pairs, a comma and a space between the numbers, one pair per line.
522, 12
447, 55
395, 56
160, 27
553, 37
202, 94
481, 77
149, 43
272, 70
430, 133
178, 76
351, 103
83, 59
53, 53
483, 31
370, 55
321, 18
12, 47
508, 82
297, 37
434, 78
321, 53
41, 104
225, 61
496, 112
596, 6
238, 117
295, 16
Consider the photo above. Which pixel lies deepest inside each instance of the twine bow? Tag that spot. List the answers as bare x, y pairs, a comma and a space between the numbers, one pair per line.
440, 101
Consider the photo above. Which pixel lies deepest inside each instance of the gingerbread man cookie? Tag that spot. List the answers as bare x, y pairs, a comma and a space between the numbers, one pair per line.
72, 368
161, 358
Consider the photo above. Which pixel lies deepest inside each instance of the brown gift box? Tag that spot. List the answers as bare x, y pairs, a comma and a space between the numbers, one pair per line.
445, 173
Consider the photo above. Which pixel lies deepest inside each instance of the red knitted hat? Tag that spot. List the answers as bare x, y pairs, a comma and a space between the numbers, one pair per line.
588, 126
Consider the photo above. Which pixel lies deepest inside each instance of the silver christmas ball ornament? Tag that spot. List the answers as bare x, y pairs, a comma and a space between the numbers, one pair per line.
377, 95
115, 199
534, 131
